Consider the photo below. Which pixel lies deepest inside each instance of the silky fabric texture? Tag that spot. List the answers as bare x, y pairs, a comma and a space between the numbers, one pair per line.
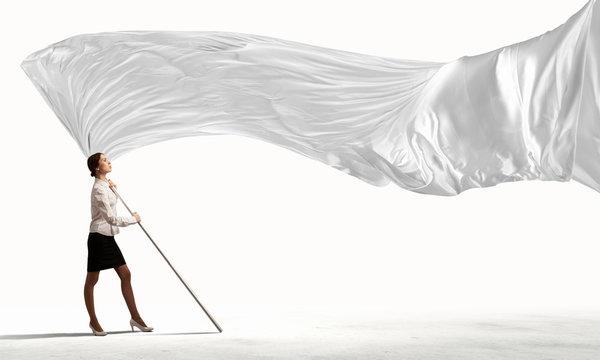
522, 112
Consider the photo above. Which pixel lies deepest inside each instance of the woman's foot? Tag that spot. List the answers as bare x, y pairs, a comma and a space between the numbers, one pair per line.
97, 332
96, 326
139, 321
144, 328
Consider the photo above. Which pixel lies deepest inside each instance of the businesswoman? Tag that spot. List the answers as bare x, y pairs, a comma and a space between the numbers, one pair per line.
103, 251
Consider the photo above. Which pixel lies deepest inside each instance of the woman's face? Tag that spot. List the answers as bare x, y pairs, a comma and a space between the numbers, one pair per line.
104, 165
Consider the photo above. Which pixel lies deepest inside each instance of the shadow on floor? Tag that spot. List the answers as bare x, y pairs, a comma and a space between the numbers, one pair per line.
59, 335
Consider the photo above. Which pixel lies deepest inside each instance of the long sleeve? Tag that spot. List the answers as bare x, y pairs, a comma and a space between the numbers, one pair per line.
107, 212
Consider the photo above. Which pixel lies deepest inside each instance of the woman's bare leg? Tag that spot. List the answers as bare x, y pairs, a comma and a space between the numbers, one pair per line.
125, 276
88, 294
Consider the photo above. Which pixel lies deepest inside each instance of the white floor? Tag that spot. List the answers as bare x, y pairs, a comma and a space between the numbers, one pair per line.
310, 335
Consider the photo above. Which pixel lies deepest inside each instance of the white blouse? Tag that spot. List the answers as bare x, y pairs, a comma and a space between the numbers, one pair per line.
104, 210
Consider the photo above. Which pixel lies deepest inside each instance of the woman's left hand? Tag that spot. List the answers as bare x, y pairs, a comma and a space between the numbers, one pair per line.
111, 184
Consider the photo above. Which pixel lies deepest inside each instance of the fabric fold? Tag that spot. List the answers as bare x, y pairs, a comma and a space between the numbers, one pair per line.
522, 112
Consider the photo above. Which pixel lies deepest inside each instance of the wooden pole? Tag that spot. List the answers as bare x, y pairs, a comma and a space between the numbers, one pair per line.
175, 271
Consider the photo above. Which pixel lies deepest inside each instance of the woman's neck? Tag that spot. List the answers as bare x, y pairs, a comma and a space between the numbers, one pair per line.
101, 177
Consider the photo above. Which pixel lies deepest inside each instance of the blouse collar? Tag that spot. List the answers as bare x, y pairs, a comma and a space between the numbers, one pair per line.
102, 182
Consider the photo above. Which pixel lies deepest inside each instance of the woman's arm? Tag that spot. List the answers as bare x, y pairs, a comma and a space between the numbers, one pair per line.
107, 211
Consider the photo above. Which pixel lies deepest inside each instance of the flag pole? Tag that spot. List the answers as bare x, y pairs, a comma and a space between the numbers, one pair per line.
163, 255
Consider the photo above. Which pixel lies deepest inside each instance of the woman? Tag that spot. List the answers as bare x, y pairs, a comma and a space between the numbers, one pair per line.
103, 251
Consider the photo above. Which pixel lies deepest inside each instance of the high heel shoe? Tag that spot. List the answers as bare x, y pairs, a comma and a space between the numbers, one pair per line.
97, 333
143, 328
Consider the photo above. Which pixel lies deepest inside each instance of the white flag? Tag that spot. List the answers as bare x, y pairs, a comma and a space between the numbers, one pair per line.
523, 112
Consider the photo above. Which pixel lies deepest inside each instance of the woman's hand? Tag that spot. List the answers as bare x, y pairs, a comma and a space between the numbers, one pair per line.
137, 216
111, 184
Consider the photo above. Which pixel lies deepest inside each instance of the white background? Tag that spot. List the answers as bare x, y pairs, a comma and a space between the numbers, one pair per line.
252, 227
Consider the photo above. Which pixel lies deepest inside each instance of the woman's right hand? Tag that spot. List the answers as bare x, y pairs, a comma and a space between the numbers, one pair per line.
137, 216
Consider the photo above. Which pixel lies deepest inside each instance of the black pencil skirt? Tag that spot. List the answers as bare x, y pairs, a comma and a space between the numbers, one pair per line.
103, 252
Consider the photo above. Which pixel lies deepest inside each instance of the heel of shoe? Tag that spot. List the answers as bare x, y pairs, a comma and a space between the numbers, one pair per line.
133, 323
97, 333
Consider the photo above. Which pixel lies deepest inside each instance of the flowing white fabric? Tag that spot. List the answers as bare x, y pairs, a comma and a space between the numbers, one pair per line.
525, 111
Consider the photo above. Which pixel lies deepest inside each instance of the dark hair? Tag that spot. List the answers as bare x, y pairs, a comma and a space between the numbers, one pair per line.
92, 163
